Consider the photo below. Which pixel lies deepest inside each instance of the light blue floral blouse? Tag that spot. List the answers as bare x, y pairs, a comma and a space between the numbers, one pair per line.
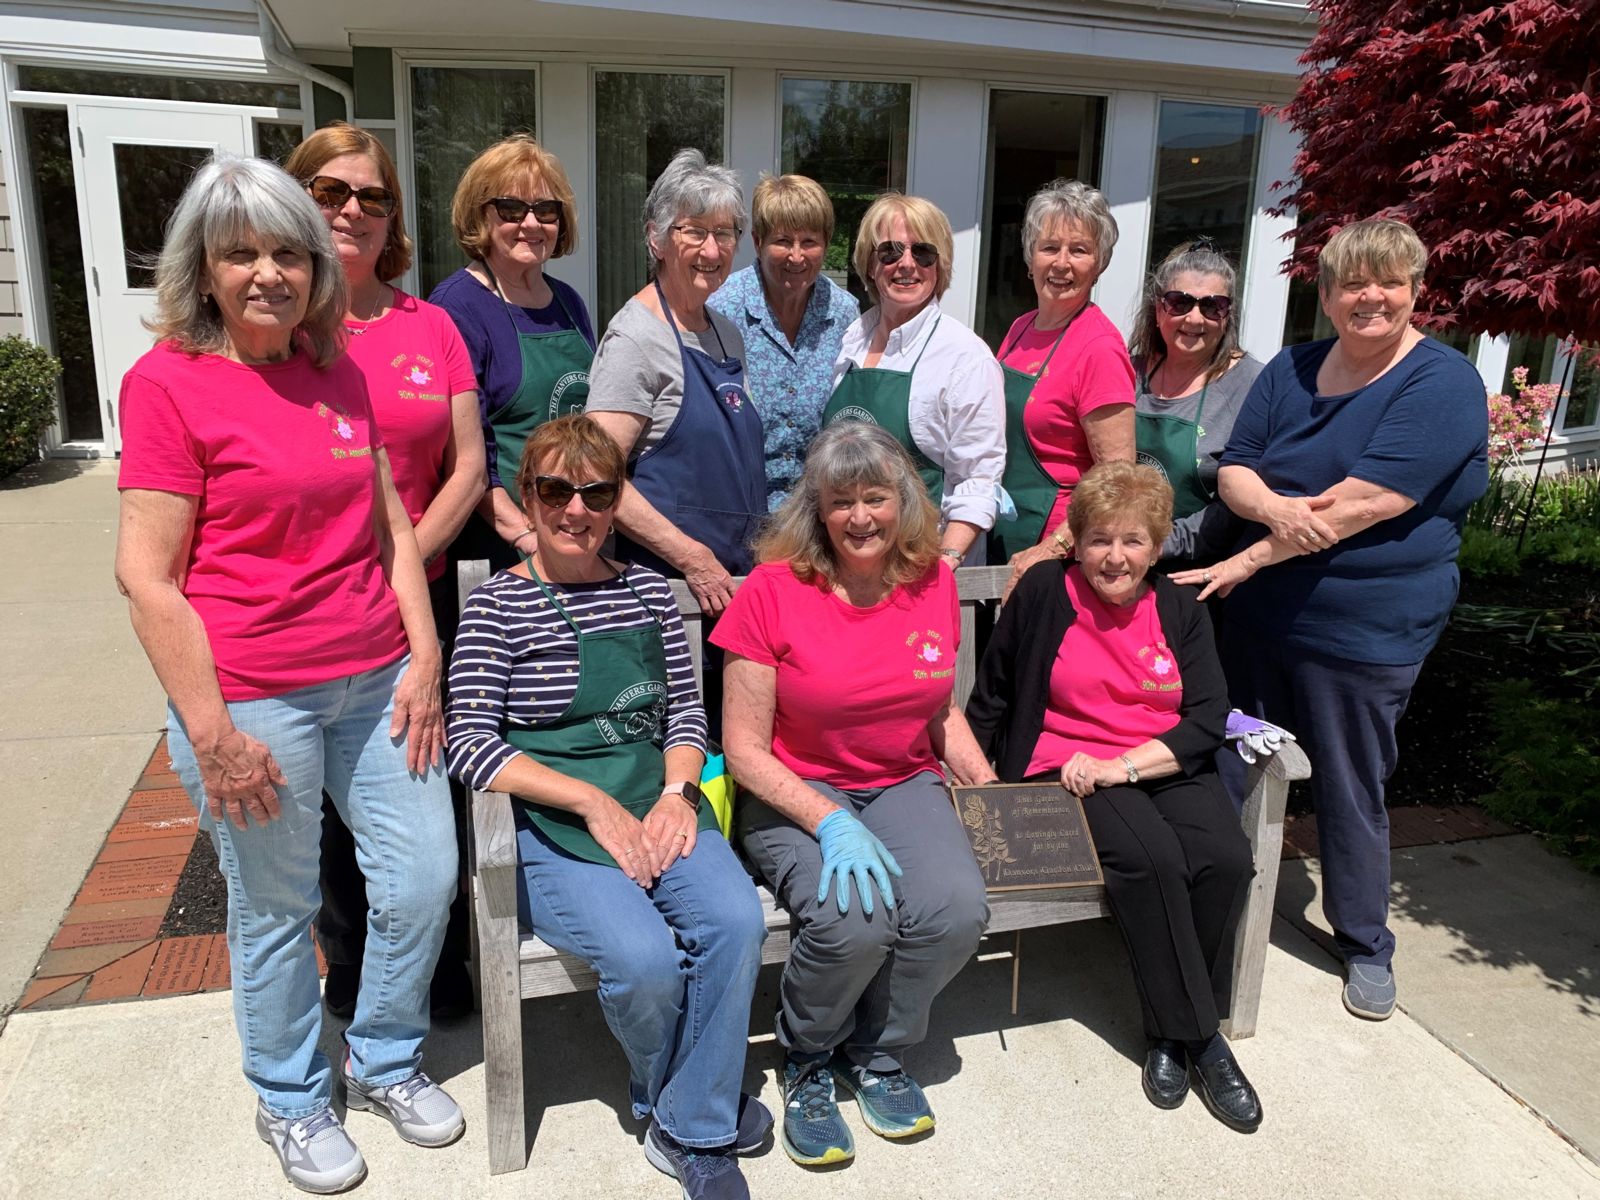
789, 384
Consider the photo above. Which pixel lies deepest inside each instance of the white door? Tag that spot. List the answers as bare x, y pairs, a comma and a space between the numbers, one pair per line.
135, 164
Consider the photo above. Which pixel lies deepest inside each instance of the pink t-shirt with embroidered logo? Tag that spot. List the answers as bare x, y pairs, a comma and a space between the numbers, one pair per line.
414, 361
283, 562
856, 687
1115, 683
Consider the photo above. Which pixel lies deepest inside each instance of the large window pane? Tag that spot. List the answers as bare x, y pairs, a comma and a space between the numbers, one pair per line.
150, 180
1034, 137
641, 119
1205, 176
849, 135
457, 112
66, 291
158, 87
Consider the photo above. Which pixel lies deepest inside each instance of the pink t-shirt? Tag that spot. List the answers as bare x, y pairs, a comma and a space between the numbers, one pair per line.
283, 562
856, 686
1115, 683
414, 361
1089, 371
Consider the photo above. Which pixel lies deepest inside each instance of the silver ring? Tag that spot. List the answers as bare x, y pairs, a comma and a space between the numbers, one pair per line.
1205, 577
633, 854
684, 836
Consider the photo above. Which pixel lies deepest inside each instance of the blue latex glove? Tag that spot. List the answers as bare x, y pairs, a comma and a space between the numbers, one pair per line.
850, 849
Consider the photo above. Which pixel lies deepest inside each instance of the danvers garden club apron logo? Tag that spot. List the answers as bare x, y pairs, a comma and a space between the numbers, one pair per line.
568, 380
1146, 459
852, 412
636, 715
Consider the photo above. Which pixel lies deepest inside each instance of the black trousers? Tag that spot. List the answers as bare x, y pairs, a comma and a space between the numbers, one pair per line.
342, 923
1177, 868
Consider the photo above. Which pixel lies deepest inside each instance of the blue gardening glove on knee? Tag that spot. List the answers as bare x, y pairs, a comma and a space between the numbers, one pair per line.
851, 850
1254, 738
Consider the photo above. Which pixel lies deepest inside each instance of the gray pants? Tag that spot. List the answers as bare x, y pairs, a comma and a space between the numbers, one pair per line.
867, 983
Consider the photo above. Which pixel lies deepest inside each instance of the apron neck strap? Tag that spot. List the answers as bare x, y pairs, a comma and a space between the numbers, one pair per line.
1061, 337
925, 341
1200, 405
666, 311
554, 291
533, 573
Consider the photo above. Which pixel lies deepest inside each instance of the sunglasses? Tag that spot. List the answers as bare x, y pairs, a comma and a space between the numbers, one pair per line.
1212, 308
556, 492
515, 212
923, 254
335, 193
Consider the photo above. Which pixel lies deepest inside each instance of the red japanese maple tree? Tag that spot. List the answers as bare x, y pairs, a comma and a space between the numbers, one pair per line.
1477, 123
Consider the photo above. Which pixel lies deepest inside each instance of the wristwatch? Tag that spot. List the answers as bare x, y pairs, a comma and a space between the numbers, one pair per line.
1133, 771
689, 790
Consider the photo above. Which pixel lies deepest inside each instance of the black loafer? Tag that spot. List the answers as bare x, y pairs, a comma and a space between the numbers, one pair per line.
1228, 1094
1166, 1075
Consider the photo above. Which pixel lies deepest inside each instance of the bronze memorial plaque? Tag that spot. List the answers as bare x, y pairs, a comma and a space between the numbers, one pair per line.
1028, 835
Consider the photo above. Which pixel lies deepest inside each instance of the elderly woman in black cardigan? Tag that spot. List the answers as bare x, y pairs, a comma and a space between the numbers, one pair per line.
1106, 677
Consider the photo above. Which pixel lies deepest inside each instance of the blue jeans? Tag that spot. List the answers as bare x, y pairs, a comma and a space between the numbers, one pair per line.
335, 736
677, 967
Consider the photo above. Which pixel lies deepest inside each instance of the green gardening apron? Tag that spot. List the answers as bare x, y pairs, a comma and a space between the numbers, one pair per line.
555, 382
1172, 445
1032, 489
610, 734
882, 397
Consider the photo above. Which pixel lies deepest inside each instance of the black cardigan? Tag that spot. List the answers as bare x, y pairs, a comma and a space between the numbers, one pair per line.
1008, 701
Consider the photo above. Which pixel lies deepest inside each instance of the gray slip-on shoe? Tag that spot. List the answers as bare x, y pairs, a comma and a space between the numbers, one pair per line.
1369, 991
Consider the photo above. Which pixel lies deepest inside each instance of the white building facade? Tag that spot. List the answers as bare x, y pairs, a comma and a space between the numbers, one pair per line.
970, 103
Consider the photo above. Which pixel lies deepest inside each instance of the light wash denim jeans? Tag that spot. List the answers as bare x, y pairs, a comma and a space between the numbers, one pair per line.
677, 967
335, 736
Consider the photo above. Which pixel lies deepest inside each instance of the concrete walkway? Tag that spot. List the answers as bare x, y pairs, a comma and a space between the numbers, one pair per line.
146, 1097
80, 710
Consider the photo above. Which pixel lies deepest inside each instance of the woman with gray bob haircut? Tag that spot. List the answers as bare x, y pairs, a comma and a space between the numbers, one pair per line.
1193, 379
229, 197
668, 384
843, 455
1069, 384
1070, 200
274, 581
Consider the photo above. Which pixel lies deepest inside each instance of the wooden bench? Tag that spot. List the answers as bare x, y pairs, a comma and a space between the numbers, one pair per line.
513, 965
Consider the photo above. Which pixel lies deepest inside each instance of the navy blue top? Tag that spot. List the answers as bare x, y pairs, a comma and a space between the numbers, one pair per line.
481, 316
1421, 429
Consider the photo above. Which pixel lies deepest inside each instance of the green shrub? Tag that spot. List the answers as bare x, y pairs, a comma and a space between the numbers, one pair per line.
1569, 544
1545, 757
28, 376
1486, 553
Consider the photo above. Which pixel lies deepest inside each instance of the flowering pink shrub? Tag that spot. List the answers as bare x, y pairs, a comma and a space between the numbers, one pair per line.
1517, 422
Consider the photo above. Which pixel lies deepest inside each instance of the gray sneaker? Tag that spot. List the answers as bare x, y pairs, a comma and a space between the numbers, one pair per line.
315, 1152
418, 1108
1369, 991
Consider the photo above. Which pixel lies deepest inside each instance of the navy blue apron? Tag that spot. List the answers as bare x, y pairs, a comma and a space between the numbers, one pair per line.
707, 475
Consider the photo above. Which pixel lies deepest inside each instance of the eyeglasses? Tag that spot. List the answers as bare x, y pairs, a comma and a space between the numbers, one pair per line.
924, 254
335, 193
696, 235
556, 492
515, 212
1212, 308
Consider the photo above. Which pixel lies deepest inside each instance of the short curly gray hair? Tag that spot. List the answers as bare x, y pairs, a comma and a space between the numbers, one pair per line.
690, 187
230, 198
1069, 200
